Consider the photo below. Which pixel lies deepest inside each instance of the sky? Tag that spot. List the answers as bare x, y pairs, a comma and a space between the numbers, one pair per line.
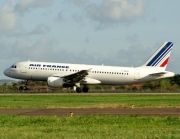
109, 32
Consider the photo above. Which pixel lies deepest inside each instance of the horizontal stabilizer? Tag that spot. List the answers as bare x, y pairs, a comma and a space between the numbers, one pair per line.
158, 73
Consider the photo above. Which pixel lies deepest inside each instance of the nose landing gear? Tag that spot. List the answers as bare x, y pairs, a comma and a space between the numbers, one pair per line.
24, 87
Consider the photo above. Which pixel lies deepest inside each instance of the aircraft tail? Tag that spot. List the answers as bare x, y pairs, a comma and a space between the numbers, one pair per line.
160, 57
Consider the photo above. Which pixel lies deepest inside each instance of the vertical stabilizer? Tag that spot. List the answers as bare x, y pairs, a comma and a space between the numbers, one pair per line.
160, 57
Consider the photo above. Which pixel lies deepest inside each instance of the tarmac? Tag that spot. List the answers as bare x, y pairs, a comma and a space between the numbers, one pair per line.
91, 111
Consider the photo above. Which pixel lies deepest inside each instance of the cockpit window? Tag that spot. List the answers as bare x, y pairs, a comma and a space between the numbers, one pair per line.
13, 66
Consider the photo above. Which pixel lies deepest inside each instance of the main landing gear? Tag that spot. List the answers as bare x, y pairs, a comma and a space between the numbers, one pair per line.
24, 87
85, 89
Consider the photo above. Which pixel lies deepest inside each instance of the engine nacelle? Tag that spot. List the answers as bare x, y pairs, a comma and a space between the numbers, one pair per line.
58, 82
55, 82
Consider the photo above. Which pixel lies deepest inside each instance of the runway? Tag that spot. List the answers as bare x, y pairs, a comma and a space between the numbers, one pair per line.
92, 111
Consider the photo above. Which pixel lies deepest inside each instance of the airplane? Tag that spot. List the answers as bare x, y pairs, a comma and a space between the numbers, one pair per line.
78, 75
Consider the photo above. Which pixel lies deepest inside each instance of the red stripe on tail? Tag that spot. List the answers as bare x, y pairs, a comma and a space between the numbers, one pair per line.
164, 63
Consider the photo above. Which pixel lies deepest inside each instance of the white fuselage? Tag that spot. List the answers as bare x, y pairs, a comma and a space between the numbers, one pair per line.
104, 74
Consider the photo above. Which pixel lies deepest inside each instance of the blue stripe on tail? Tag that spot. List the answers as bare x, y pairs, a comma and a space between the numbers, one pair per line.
160, 54
163, 56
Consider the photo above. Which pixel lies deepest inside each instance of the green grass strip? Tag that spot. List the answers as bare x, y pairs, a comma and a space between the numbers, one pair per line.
69, 101
89, 127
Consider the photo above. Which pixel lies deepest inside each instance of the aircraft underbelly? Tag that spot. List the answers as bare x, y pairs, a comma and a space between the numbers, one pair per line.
115, 80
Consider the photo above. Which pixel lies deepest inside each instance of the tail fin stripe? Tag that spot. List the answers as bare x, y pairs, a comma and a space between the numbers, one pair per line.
160, 54
166, 48
162, 57
164, 63
162, 60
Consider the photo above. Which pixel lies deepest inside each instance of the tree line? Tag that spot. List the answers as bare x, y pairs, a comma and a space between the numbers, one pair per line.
163, 85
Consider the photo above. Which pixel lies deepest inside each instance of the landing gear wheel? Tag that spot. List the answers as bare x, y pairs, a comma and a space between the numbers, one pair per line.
21, 88
78, 90
24, 87
85, 89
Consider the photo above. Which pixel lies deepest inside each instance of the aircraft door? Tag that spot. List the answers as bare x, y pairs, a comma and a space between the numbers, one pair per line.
137, 74
24, 68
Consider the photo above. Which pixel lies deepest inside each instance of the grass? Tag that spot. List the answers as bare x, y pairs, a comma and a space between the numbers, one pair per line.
89, 127
89, 100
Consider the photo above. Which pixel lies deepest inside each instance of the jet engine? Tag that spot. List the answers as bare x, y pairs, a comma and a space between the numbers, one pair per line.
58, 82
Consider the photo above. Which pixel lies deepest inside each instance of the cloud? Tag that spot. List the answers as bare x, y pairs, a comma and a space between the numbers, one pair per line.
6, 51
43, 49
40, 29
60, 16
39, 49
23, 6
132, 38
128, 57
24, 48
9, 20
113, 11
77, 2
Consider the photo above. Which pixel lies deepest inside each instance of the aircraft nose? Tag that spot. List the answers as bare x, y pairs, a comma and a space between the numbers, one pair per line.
6, 72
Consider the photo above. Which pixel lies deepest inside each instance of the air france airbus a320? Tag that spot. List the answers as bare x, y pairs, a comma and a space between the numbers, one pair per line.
79, 76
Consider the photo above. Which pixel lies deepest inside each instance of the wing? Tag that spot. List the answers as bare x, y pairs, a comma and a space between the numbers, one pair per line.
76, 77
